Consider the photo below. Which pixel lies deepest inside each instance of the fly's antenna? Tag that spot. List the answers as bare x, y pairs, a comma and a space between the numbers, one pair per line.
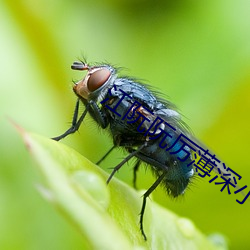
80, 66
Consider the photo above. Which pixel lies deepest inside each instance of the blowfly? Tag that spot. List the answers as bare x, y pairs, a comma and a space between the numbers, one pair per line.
148, 127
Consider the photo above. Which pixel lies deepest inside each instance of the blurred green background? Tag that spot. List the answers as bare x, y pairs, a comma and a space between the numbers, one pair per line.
195, 52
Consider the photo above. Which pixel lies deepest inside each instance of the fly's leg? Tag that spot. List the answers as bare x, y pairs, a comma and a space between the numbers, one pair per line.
97, 114
105, 155
145, 196
75, 124
91, 107
135, 169
124, 161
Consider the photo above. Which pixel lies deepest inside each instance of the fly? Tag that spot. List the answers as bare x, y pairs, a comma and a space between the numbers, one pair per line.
148, 127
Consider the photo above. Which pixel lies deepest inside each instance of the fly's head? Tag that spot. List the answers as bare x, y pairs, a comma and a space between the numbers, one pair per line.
96, 82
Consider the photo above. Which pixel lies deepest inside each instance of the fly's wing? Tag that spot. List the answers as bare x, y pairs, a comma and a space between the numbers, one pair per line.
173, 118
169, 114
159, 119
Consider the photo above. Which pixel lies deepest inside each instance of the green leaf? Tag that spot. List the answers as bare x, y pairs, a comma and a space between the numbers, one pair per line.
107, 215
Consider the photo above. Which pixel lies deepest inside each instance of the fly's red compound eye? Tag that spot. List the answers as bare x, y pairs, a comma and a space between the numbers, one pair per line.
97, 79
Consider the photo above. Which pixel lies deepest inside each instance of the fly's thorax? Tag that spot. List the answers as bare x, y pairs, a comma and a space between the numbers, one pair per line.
96, 83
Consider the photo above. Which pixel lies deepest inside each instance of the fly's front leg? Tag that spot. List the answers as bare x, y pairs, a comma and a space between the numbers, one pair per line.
75, 123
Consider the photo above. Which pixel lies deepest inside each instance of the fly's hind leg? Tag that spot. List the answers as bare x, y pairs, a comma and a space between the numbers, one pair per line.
145, 196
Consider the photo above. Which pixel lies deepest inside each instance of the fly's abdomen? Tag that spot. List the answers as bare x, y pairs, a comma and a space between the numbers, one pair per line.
170, 158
